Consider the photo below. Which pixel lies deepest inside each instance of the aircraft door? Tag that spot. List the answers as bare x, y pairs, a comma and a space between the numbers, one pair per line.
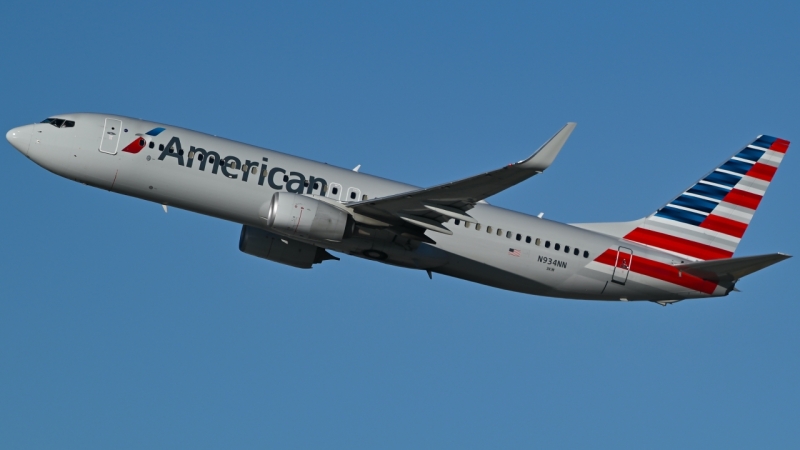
335, 191
622, 266
111, 134
353, 195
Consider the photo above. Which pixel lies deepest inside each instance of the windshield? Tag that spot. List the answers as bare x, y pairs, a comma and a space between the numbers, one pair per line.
59, 123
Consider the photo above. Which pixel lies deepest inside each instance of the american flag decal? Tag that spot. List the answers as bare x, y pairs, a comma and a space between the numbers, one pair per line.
514, 252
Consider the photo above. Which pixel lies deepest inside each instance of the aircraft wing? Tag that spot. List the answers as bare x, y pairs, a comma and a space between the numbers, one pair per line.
429, 208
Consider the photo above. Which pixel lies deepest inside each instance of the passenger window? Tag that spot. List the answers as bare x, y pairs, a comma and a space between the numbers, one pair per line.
546, 244
566, 249
538, 241
364, 198
161, 147
285, 178
508, 234
576, 252
353, 195
335, 191
499, 232
489, 229
316, 185
557, 246
519, 237
585, 254
466, 224
152, 144
478, 226
527, 239
69, 124
458, 222
254, 170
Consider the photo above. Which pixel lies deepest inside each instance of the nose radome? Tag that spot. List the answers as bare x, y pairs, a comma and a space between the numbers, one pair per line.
20, 138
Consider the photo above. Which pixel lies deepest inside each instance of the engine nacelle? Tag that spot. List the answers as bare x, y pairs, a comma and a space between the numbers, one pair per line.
295, 215
261, 243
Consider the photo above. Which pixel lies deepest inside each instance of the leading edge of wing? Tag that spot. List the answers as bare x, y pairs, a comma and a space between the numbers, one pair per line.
464, 193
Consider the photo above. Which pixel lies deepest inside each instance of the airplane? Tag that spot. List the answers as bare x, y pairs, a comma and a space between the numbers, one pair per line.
295, 211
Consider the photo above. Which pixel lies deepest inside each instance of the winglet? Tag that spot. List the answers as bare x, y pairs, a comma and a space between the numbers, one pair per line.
547, 153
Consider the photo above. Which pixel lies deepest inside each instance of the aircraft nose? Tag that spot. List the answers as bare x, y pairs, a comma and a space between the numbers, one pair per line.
20, 138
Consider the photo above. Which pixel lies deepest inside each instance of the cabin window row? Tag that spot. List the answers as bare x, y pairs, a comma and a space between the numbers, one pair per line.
509, 235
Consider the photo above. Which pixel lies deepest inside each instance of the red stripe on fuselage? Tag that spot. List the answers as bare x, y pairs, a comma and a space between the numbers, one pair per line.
677, 245
136, 146
661, 271
762, 171
724, 225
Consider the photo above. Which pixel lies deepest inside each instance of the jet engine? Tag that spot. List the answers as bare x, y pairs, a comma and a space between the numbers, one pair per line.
261, 243
293, 214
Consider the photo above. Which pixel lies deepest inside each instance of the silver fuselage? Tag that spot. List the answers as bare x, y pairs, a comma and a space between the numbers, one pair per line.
492, 258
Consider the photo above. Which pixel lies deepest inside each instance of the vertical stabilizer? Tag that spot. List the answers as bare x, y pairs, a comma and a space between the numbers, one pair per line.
708, 220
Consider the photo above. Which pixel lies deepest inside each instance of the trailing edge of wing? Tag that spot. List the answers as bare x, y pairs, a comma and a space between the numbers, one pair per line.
731, 269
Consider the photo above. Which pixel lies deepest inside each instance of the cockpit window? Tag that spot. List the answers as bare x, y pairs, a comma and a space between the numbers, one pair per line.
59, 123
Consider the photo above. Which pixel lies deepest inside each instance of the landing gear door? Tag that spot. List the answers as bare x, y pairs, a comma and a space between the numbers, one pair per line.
622, 266
111, 134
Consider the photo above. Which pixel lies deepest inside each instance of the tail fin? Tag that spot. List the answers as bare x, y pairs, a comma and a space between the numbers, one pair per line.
708, 220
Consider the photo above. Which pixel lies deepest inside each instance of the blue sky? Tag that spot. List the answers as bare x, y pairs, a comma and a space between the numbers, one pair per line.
124, 327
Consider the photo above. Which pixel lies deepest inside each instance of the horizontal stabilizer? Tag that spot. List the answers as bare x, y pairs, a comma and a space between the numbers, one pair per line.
731, 269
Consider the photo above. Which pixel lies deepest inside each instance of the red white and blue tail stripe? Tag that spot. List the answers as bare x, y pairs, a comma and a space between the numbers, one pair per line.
709, 219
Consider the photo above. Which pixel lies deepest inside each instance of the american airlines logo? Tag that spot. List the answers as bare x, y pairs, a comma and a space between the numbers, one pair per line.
232, 167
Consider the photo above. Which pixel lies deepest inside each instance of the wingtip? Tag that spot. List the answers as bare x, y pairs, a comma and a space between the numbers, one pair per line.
546, 154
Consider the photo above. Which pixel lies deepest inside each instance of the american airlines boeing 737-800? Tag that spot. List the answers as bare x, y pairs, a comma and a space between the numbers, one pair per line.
294, 210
